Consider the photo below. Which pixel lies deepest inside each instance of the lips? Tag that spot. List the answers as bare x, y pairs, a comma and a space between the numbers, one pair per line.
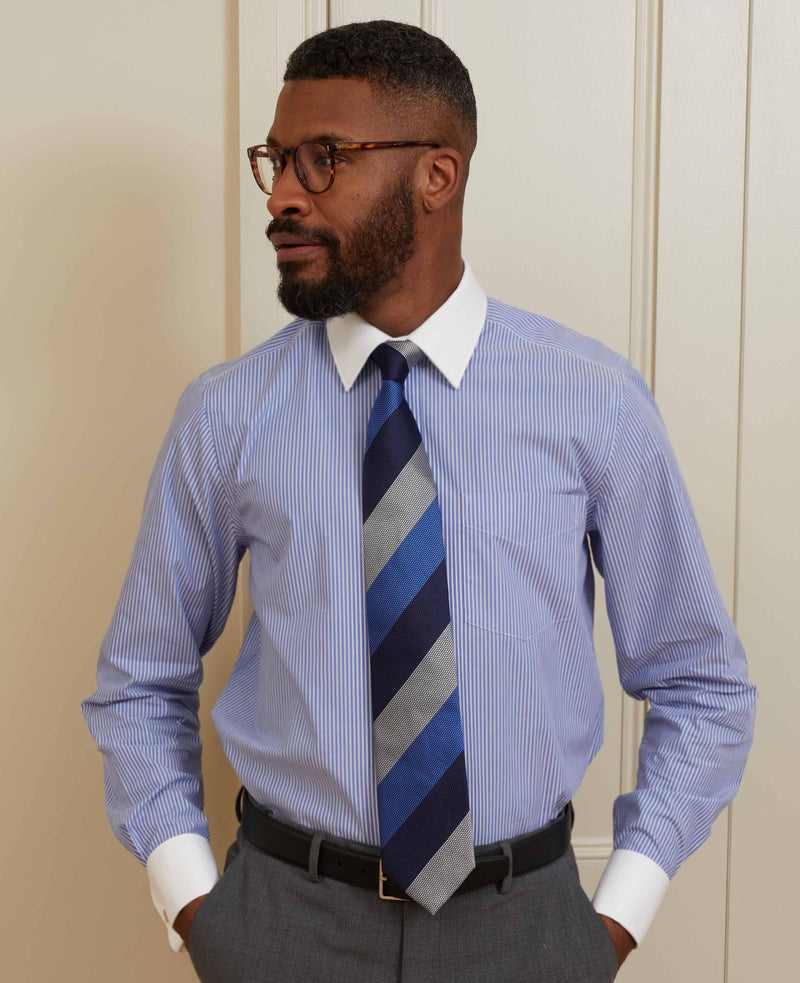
291, 253
293, 247
281, 239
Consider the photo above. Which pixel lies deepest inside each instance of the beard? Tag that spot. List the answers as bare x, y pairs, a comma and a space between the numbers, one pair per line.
373, 254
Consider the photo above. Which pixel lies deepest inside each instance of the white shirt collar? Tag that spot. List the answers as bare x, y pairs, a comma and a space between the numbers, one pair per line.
448, 337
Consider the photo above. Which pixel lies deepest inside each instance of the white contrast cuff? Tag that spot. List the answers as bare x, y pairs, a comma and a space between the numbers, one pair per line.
179, 870
630, 890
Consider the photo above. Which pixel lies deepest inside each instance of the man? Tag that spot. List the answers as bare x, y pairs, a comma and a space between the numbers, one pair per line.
423, 476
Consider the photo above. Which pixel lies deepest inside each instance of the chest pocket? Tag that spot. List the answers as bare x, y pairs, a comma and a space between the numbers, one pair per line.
521, 558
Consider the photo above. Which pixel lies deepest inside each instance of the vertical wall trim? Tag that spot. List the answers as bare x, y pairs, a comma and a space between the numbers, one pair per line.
233, 250
644, 230
430, 16
315, 17
644, 256
233, 193
740, 406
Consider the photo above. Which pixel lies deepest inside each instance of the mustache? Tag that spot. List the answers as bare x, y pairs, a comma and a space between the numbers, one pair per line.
292, 227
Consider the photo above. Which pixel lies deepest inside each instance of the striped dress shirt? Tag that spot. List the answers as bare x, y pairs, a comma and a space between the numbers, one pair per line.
551, 461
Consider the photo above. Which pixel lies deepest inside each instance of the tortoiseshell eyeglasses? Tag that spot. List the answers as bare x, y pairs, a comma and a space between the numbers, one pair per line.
314, 163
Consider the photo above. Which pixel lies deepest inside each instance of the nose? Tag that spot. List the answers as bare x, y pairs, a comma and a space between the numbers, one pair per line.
289, 197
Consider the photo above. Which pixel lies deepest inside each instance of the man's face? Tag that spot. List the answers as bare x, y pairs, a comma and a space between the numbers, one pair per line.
364, 224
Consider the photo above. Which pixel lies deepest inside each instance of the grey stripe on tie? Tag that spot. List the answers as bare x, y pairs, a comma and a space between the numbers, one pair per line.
411, 353
400, 509
415, 704
446, 869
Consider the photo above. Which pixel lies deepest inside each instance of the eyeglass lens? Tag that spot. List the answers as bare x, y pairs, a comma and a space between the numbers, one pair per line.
314, 167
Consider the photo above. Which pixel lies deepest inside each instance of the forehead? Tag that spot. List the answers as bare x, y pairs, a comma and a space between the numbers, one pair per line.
347, 108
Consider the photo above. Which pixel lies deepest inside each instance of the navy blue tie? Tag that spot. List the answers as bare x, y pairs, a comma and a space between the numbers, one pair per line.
423, 801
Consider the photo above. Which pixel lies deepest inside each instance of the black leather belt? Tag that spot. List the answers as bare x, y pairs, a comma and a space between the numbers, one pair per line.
362, 866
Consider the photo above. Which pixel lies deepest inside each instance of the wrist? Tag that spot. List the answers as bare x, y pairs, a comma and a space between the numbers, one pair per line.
185, 917
623, 941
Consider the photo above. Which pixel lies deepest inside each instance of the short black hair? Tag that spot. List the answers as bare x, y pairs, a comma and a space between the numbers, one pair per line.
398, 59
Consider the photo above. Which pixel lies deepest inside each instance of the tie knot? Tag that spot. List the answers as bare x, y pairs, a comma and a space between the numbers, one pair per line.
395, 358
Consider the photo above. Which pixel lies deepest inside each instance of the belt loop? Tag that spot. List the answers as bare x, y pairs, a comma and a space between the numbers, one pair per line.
239, 803
313, 873
505, 885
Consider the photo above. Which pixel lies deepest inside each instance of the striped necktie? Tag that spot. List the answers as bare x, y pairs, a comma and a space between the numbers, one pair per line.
423, 802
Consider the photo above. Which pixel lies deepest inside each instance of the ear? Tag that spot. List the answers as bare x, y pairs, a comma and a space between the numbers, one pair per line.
438, 175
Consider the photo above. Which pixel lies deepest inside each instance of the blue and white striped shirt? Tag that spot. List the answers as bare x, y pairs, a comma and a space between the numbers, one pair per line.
548, 453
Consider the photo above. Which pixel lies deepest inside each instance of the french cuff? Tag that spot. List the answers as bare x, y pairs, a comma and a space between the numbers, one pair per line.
179, 870
630, 890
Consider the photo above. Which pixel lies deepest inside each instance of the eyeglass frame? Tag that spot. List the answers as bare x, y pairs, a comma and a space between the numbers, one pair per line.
331, 148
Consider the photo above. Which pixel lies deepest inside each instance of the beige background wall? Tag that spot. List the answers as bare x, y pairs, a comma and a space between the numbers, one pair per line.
653, 203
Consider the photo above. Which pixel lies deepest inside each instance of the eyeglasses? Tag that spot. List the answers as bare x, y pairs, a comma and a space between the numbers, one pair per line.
314, 163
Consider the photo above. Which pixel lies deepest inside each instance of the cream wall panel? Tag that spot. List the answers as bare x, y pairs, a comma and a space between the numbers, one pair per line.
764, 868
267, 33
346, 11
118, 197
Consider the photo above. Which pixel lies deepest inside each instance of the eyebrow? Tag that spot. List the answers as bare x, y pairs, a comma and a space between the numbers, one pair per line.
319, 138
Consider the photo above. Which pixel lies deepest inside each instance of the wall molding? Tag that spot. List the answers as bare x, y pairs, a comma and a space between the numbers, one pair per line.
592, 847
632, 730
430, 17
644, 212
315, 17
644, 269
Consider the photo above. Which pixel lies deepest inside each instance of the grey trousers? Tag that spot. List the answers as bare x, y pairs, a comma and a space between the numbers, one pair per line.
266, 919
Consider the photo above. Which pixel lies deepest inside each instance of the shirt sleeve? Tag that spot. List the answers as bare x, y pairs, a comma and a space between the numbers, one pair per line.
676, 646
174, 603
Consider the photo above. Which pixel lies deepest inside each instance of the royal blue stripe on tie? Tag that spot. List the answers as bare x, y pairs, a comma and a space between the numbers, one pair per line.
427, 844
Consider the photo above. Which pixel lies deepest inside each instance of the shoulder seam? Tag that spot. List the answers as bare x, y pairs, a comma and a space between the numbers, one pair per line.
260, 351
215, 452
613, 445
616, 367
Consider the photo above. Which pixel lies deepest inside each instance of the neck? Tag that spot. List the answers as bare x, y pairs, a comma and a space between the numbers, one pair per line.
421, 288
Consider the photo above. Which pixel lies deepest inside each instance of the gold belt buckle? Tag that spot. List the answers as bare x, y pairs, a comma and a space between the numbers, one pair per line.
381, 878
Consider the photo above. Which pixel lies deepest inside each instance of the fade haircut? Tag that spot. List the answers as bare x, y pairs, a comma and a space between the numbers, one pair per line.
416, 74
